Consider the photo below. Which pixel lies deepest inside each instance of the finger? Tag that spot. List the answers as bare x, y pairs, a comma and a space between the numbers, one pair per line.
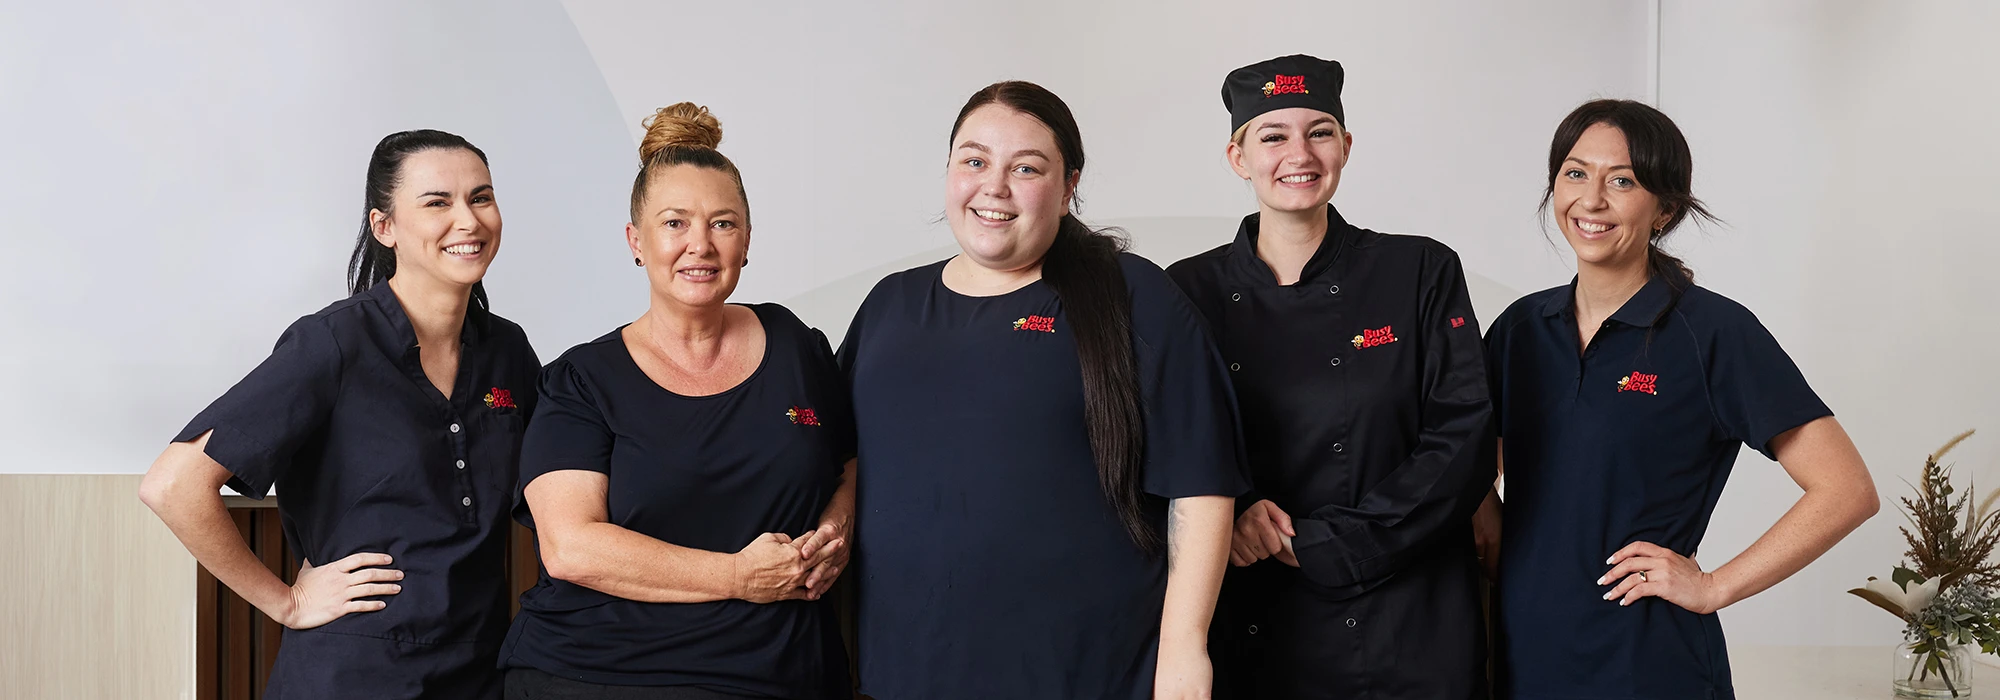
1283, 521
826, 553
1629, 567
824, 533
361, 559
779, 537
1288, 557
1640, 591
806, 541
825, 582
373, 589
374, 576
1272, 539
1236, 558
1637, 549
1623, 587
356, 606
812, 577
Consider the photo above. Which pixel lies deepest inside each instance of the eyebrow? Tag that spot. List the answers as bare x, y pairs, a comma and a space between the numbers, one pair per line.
980, 147
684, 212
447, 195
1281, 125
1580, 161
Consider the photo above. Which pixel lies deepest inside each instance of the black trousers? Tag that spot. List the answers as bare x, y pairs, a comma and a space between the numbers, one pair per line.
533, 684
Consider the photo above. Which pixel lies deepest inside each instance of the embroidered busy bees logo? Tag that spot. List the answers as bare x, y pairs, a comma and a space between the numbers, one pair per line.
499, 398
802, 416
1640, 381
1286, 85
1045, 324
1375, 338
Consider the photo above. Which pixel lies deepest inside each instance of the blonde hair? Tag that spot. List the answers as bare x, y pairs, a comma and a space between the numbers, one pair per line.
1241, 131
682, 134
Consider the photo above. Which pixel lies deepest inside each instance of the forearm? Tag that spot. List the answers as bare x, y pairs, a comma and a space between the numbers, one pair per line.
613, 560
840, 510
1198, 530
1819, 520
192, 508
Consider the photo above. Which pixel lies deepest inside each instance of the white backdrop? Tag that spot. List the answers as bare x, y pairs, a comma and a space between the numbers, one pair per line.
180, 183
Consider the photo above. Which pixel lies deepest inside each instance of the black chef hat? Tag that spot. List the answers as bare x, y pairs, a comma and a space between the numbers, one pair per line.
1280, 83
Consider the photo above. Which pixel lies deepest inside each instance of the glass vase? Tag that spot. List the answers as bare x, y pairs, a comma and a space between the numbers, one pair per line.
1945, 673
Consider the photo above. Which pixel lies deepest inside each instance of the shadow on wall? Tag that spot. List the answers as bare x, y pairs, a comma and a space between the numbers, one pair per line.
1163, 240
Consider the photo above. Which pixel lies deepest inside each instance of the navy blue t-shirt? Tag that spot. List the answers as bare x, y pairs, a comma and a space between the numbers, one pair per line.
1630, 440
991, 564
368, 456
711, 473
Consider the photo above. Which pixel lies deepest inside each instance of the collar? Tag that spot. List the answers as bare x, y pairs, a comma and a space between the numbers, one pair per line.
1244, 250
1642, 310
474, 330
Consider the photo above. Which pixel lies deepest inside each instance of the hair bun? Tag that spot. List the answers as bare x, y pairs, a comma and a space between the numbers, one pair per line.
683, 125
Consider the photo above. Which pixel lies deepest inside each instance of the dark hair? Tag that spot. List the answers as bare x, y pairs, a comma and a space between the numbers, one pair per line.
682, 133
1661, 162
372, 262
1082, 268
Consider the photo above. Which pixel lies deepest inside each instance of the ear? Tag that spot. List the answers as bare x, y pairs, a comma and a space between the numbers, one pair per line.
1069, 188
1666, 215
1347, 144
1234, 154
632, 239
378, 224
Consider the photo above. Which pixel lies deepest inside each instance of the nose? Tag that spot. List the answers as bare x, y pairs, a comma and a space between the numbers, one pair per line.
1593, 196
993, 183
700, 241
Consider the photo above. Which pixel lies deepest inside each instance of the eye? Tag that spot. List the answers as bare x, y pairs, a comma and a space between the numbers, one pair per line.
1026, 170
438, 203
1623, 181
975, 163
482, 199
1271, 138
1573, 174
676, 224
724, 224
1322, 133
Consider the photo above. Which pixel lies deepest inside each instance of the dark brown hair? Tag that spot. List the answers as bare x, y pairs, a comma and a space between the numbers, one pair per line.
1082, 268
1661, 162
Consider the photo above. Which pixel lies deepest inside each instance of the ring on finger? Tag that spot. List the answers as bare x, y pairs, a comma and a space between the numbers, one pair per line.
1642, 577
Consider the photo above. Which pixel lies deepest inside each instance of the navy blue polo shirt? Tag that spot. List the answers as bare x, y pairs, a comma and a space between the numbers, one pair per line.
370, 457
990, 563
706, 472
1629, 440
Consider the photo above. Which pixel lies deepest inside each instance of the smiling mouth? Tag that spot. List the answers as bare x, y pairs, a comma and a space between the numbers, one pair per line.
468, 248
1299, 179
1590, 227
698, 273
991, 215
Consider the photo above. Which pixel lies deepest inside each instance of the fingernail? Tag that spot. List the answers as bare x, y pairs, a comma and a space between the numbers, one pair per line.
1607, 560
1600, 581
1624, 602
1607, 596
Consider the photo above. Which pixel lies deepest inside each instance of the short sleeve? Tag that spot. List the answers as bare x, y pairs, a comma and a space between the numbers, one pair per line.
567, 431
259, 424
1757, 392
827, 372
1192, 442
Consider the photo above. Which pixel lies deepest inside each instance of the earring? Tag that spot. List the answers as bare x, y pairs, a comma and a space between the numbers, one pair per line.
746, 261
636, 263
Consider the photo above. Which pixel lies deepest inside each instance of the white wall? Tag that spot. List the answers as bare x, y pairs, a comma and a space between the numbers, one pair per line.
1850, 147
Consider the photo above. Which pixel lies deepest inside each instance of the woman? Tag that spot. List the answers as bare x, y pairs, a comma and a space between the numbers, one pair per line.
1048, 441
1623, 399
391, 422
1357, 364
684, 475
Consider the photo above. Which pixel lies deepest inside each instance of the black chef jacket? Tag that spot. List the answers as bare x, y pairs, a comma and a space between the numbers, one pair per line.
1364, 401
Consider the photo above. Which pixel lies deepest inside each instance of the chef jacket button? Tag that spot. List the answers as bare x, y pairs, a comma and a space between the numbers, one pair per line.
1236, 297
1233, 366
1350, 622
1335, 362
454, 427
468, 501
1338, 447
1335, 289
461, 464
1253, 629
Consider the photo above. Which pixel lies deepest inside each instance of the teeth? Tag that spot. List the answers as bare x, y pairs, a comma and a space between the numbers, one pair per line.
1593, 228
1299, 178
463, 249
698, 273
994, 215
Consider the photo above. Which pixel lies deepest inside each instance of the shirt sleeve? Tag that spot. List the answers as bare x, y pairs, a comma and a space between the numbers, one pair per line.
568, 431
1757, 392
1434, 491
1193, 446
828, 373
1193, 285
259, 424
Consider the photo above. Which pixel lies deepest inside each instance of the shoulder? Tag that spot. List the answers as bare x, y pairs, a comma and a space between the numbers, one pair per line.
1704, 310
1158, 305
905, 283
589, 356
1521, 310
1199, 269
1430, 253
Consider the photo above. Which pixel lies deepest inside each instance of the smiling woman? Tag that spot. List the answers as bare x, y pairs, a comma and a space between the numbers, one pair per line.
378, 470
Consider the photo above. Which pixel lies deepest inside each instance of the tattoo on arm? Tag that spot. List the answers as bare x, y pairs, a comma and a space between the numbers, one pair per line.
1173, 533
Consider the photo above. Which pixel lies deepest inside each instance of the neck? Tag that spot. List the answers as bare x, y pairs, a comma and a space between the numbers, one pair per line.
1286, 240
670, 324
436, 309
967, 277
1603, 287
